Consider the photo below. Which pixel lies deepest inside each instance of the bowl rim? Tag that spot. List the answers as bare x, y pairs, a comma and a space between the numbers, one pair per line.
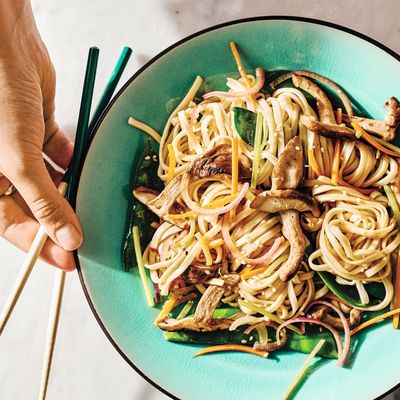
125, 86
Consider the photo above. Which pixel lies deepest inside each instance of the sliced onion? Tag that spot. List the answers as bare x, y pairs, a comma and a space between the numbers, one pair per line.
238, 254
346, 328
334, 332
207, 211
260, 80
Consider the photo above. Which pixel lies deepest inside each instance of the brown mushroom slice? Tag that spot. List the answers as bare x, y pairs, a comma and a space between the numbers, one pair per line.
337, 89
201, 273
203, 320
161, 204
324, 106
386, 129
333, 131
395, 184
373, 126
310, 223
289, 170
321, 312
291, 229
273, 346
144, 194
218, 160
273, 201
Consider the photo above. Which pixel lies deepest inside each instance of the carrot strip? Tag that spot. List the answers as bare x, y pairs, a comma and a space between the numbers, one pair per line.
313, 162
172, 163
339, 116
396, 300
246, 269
239, 63
180, 216
235, 169
369, 139
252, 272
374, 320
168, 306
231, 347
336, 162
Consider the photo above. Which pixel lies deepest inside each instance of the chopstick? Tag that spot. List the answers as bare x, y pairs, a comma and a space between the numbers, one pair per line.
86, 133
59, 280
52, 327
41, 236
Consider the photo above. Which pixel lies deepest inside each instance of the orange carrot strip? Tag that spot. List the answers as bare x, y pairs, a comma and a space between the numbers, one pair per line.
369, 139
339, 116
336, 162
249, 274
246, 269
168, 306
313, 162
172, 163
239, 63
374, 320
231, 347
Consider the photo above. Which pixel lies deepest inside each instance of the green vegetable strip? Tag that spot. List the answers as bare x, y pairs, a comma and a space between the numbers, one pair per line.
303, 369
269, 315
142, 271
393, 203
257, 150
185, 310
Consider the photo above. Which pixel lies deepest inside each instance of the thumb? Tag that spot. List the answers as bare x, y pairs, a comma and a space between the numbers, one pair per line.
47, 205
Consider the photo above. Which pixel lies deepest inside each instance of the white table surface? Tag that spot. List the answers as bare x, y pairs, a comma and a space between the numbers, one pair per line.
86, 366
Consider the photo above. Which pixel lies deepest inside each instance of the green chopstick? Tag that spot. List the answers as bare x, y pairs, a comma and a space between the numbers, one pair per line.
82, 130
83, 143
111, 86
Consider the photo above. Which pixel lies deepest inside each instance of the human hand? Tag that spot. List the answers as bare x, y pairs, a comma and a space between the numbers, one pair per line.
27, 130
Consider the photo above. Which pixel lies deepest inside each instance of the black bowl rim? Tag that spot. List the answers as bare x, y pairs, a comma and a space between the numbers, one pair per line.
133, 77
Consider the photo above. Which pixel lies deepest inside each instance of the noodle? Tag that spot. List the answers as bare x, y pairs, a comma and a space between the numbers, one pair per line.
354, 242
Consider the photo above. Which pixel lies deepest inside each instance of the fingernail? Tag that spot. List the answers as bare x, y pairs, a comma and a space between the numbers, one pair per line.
68, 237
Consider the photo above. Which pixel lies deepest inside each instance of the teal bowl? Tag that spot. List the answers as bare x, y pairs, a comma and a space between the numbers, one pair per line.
367, 70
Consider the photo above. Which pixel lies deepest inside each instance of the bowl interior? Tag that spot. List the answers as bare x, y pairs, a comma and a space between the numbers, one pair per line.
367, 72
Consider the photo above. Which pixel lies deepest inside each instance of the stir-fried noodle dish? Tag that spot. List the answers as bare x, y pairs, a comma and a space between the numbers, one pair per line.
277, 222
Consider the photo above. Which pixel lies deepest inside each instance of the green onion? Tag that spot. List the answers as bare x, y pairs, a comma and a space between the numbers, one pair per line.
303, 369
269, 315
185, 310
387, 144
257, 150
142, 271
393, 203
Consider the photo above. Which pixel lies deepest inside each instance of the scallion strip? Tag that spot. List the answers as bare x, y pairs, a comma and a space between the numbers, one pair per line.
142, 271
303, 369
393, 203
185, 310
257, 150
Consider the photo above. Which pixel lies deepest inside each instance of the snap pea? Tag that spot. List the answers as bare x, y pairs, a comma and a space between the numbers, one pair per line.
299, 343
